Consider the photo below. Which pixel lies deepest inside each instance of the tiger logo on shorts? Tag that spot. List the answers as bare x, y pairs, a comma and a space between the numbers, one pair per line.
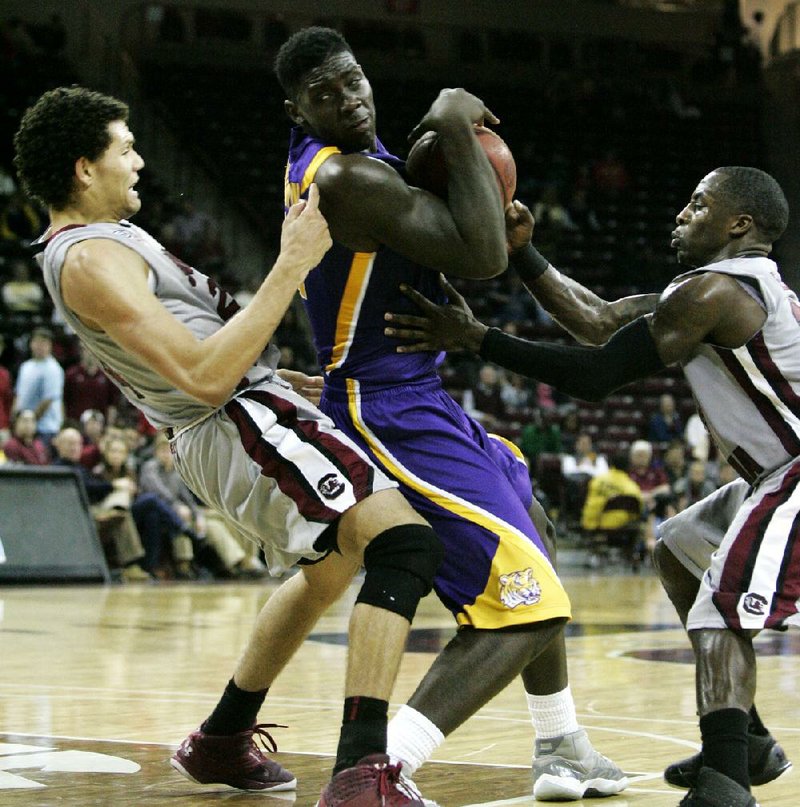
519, 588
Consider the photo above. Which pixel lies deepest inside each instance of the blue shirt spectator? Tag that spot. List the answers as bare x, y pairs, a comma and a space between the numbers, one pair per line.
665, 425
40, 386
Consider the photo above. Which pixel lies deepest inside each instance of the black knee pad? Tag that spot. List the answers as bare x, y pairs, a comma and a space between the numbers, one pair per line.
400, 564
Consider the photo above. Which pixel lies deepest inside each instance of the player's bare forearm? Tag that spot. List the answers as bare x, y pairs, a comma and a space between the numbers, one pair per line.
627, 309
582, 313
475, 205
472, 198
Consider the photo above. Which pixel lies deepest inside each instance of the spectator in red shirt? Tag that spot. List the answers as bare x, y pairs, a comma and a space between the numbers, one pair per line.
648, 475
654, 483
86, 386
24, 446
93, 426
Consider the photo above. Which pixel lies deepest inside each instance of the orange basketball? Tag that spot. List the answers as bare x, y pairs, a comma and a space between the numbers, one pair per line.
425, 166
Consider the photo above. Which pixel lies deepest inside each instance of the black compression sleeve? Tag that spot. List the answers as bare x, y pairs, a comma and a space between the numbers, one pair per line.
528, 263
581, 372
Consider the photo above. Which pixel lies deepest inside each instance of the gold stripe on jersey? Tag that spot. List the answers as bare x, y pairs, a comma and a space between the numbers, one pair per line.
515, 554
314, 165
292, 191
347, 318
512, 447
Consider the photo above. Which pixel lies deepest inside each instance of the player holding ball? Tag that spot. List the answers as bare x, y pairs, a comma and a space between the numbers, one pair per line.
497, 578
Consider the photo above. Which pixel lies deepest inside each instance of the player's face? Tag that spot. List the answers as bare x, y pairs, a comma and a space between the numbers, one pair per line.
704, 225
115, 174
335, 103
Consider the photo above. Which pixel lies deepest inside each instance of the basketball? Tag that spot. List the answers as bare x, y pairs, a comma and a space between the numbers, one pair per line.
425, 166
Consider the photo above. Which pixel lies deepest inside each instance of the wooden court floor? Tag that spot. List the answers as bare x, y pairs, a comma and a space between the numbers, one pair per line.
99, 684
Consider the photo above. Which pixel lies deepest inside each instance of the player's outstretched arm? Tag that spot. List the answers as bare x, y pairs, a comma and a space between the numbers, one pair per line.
707, 306
583, 314
582, 372
105, 284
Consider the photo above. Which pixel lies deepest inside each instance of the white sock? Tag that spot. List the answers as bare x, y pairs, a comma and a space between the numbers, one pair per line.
411, 739
553, 715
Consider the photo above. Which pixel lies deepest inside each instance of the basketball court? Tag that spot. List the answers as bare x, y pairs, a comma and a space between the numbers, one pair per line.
100, 684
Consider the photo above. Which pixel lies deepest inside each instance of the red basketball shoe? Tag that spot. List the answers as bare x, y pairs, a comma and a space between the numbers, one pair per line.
234, 760
373, 782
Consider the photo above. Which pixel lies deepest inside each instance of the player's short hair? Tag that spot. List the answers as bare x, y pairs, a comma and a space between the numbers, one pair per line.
65, 124
304, 51
750, 190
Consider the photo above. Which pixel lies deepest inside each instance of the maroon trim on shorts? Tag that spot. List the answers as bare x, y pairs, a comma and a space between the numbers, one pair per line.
737, 572
352, 465
787, 589
273, 465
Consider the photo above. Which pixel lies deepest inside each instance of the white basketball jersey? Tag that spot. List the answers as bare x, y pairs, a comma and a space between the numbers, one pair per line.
750, 397
193, 298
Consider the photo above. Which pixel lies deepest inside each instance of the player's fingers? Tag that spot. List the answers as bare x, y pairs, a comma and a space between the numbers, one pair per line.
406, 319
295, 210
405, 333
419, 299
418, 131
415, 348
523, 209
313, 197
512, 214
450, 290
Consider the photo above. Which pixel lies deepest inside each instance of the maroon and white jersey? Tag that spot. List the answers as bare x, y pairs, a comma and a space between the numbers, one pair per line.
192, 297
750, 396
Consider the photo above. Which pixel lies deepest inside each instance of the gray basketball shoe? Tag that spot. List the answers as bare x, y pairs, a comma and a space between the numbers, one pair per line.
568, 768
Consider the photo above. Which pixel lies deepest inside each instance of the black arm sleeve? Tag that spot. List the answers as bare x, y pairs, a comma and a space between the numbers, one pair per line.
581, 372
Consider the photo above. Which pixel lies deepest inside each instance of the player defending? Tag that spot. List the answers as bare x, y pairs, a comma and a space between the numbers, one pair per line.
497, 577
244, 441
733, 325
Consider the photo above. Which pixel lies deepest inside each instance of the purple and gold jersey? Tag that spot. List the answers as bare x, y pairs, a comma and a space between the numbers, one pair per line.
472, 487
347, 295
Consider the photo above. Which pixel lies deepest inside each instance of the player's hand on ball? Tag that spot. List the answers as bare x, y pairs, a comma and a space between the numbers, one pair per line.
442, 327
453, 106
519, 226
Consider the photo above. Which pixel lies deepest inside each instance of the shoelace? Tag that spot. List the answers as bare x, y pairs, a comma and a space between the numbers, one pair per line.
261, 737
389, 778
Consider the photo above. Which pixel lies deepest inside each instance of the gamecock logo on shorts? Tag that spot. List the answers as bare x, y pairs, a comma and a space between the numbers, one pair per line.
519, 588
330, 486
754, 604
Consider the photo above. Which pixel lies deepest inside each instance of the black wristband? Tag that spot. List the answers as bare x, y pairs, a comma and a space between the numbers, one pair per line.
528, 263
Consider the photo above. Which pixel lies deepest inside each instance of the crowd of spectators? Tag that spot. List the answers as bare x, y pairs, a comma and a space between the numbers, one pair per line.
591, 189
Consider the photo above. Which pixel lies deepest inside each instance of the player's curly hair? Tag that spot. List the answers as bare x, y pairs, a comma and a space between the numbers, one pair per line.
304, 51
65, 124
753, 191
